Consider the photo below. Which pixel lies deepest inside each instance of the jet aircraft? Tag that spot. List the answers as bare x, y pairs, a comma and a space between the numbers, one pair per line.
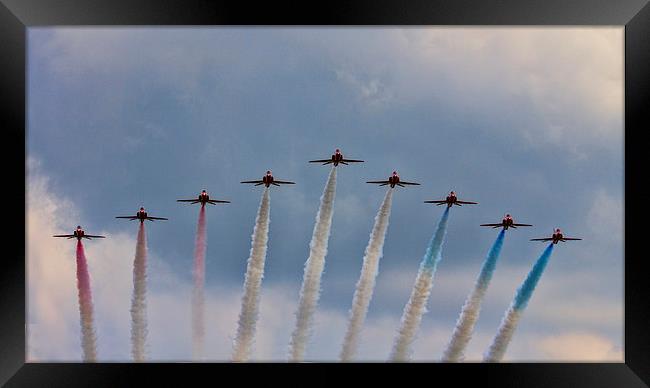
203, 198
141, 215
393, 180
506, 223
79, 233
337, 158
556, 237
269, 180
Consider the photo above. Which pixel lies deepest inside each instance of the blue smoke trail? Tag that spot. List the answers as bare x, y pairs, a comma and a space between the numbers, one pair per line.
472, 307
509, 323
526, 290
416, 305
433, 253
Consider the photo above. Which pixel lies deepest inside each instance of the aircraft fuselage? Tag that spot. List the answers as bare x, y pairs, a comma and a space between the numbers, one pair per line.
141, 215
204, 198
268, 180
451, 200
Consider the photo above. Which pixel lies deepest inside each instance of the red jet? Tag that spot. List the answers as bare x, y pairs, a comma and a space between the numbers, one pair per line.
393, 180
336, 159
141, 215
505, 223
268, 180
556, 237
79, 233
203, 198
451, 200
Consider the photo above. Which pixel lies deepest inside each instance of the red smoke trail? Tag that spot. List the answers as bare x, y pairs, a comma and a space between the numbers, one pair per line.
198, 330
139, 302
85, 306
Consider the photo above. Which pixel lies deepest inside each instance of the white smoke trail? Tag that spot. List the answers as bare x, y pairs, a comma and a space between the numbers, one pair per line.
509, 323
366, 283
465, 325
412, 315
472, 307
502, 339
417, 304
310, 291
88, 341
252, 283
139, 302
198, 330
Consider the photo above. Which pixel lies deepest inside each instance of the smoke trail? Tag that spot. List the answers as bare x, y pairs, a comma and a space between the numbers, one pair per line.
139, 302
310, 290
366, 283
416, 305
85, 306
472, 307
509, 323
198, 331
252, 283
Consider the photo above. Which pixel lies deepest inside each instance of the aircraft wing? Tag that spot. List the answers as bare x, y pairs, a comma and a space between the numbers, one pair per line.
542, 239
128, 217
571, 238
408, 183
215, 201
379, 182
93, 236
467, 202
64, 235
284, 182
321, 161
258, 181
521, 225
352, 160
438, 202
491, 225
187, 200
156, 218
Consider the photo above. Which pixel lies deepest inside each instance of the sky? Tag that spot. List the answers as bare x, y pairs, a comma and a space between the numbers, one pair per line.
523, 120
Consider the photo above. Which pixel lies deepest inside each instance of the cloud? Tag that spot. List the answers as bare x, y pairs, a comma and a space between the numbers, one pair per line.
560, 86
579, 347
369, 92
564, 72
550, 86
272, 97
606, 217
50, 301
116, 52
53, 319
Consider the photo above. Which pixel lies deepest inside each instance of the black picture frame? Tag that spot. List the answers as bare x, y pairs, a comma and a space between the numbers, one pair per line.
17, 15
